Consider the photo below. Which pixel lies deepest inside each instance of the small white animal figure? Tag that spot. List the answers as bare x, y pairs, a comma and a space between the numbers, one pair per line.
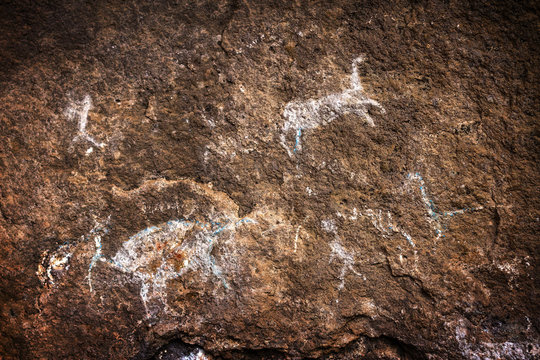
80, 110
303, 115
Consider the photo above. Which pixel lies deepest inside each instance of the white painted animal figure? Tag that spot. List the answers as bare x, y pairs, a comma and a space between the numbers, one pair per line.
161, 253
310, 114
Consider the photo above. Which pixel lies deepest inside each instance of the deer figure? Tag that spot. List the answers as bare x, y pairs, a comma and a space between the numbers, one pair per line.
310, 114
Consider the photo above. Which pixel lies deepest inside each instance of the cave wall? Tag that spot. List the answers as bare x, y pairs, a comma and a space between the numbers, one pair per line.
269, 180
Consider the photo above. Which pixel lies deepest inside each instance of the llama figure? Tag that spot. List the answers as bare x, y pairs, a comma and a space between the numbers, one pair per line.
310, 114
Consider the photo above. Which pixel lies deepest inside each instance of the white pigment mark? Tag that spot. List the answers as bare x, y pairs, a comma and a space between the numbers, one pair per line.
329, 226
481, 350
383, 222
95, 235
195, 355
79, 111
95, 258
512, 269
161, 253
54, 265
408, 237
339, 252
296, 238
435, 215
310, 114
354, 216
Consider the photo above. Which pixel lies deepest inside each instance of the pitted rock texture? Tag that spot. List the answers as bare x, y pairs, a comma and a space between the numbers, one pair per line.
269, 180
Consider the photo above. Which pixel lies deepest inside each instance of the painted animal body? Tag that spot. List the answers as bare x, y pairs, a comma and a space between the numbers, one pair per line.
310, 114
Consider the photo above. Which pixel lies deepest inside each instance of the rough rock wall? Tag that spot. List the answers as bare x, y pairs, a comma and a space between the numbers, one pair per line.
269, 179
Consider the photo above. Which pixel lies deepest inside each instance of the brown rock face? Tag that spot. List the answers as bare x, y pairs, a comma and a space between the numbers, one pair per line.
269, 180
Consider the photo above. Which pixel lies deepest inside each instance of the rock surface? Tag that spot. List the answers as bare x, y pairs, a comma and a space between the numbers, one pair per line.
273, 180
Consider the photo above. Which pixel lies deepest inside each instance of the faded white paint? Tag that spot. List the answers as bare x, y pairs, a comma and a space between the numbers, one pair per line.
195, 355
329, 225
52, 265
161, 253
434, 215
347, 257
383, 222
301, 116
95, 236
79, 111
483, 350
296, 238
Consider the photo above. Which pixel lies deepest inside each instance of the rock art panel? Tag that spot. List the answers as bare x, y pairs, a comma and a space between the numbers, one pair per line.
254, 180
